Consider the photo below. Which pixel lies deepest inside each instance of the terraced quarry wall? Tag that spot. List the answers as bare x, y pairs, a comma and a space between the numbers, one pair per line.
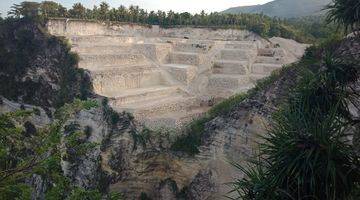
167, 77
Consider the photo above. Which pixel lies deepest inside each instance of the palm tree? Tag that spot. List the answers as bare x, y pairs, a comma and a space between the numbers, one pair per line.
25, 9
78, 11
345, 12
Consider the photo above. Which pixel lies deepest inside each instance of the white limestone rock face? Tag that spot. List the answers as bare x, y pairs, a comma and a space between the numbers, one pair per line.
135, 62
162, 77
294, 50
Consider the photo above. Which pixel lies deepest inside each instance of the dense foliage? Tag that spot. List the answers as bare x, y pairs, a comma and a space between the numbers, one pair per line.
317, 28
258, 23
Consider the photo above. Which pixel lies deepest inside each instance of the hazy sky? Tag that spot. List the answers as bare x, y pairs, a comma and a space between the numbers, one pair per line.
192, 6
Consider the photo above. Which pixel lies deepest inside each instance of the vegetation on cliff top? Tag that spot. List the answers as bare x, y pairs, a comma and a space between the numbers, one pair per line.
257, 23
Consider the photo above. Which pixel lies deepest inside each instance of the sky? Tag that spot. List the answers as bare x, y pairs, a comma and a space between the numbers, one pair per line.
193, 6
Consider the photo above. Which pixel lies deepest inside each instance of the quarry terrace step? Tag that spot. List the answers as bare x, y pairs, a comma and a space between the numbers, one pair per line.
101, 40
269, 60
183, 73
237, 54
176, 120
228, 92
228, 81
255, 77
230, 67
264, 68
186, 58
89, 60
193, 47
103, 49
141, 94
109, 84
121, 69
241, 45
150, 108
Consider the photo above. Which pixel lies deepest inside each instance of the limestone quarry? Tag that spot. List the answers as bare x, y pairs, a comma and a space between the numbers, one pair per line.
167, 77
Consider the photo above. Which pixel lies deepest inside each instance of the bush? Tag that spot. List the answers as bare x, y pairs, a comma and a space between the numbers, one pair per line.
191, 140
110, 115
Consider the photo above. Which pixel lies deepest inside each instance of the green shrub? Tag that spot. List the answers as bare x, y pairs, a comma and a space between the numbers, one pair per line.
81, 194
144, 196
36, 111
226, 105
191, 140
110, 115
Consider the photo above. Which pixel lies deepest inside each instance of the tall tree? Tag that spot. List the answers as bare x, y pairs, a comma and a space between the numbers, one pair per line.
25, 9
52, 9
78, 11
122, 13
104, 11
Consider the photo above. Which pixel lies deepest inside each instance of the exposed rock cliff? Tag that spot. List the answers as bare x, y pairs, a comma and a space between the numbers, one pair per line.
37, 68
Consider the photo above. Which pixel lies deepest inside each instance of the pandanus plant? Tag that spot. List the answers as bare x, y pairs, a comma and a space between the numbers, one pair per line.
346, 13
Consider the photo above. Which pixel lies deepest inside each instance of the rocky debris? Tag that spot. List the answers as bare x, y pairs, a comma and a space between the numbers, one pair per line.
166, 190
114, 146
160, 78
202, 186
292, 48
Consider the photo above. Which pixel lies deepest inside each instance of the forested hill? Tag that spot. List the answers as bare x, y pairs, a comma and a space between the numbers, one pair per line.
284, 8
260, 24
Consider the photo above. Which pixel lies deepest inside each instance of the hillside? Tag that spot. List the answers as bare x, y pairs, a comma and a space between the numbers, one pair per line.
105, 153
283, 8
143, 109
